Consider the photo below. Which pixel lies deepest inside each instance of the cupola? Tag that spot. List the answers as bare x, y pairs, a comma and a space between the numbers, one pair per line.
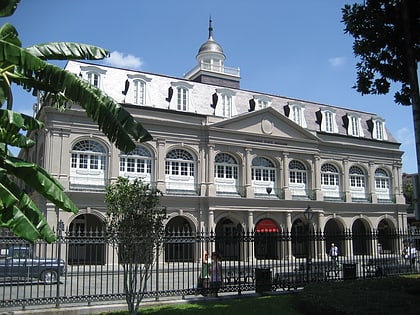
211, 67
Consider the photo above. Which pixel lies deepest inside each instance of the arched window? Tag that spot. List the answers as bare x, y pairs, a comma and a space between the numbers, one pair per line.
226, 174
180, 171
357, 183
263, 176
297, 178
88, 165
382, 185
330, 181
137, 163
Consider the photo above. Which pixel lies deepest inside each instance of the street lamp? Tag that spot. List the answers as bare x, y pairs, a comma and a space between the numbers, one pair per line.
308, 214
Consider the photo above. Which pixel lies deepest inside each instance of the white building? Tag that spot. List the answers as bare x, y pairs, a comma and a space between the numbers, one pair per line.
228, 159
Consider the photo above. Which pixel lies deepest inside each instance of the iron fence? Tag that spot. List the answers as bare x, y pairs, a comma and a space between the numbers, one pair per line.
83, 267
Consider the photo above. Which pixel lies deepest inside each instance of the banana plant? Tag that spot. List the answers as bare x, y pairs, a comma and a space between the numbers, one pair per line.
28, 68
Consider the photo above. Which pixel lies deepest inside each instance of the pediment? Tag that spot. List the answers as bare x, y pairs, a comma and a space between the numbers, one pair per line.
268, 122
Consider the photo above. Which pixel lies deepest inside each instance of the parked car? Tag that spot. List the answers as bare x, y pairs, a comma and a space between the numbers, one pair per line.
19, 263
382, 266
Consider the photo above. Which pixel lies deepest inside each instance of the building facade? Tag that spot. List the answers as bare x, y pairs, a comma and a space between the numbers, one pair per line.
229, 160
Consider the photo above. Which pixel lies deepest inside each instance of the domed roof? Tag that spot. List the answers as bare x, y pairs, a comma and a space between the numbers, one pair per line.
210, 46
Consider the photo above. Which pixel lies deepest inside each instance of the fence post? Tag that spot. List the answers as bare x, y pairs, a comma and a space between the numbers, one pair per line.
60, 228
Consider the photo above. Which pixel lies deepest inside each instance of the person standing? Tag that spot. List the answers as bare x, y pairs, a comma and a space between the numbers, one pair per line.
334, 254
215, 274
204, 276
412, 252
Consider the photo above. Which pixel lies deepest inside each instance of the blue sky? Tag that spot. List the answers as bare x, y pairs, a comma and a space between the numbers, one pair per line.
290, 48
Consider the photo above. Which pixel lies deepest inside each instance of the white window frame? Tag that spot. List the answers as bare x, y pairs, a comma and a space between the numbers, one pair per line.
382, 184
94, 75
88, 164
138, 97
226, 103
297, 114
330, 180
357, 182
180, 170
182, 91
263, 174
298, 177
137, 164
328, 121
226, 174
355, 126
379, 131
262, 102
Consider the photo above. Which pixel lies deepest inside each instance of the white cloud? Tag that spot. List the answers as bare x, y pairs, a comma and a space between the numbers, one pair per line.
118, 59
336, 62
405, 136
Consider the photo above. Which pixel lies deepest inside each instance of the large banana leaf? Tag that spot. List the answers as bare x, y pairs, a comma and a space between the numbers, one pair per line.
20, 214
11, 123
7, 7
37, 178
67, 51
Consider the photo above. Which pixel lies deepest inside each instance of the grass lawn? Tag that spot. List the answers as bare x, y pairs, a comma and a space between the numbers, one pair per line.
381, 296
263, 305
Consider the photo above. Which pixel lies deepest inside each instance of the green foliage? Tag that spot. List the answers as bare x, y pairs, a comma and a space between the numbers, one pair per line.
27, 67
382, 34
135, 225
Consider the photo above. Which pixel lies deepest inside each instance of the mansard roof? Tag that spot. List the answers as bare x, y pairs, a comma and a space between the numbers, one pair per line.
200, 95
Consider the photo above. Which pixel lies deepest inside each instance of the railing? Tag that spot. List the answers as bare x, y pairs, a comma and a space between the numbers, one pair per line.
214, 68
261, 261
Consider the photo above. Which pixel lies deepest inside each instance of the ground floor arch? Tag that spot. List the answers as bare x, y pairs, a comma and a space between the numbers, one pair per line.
361, 233
228, 233
334, 232
267, 244
179, 240
86, 243
386, 237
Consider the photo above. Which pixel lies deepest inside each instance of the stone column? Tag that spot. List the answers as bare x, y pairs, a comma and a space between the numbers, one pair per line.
211, 188
160, 165
249, 192
371, 181
286, 190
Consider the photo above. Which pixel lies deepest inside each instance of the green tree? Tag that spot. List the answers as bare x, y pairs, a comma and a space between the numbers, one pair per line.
27, 68
408, 194
387, 42
135, 226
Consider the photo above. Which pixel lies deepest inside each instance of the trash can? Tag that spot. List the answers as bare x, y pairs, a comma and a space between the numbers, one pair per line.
263, 280
349, 271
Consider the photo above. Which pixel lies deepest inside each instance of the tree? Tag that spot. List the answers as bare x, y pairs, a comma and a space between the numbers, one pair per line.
135, 227
387, 41
27, 67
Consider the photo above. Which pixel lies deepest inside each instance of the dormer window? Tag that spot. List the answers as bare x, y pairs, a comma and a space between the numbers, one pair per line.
328, 121
182, 96
225, 107
138, 92
93, 75
379, 132
262, 102
295, 112
354, 127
